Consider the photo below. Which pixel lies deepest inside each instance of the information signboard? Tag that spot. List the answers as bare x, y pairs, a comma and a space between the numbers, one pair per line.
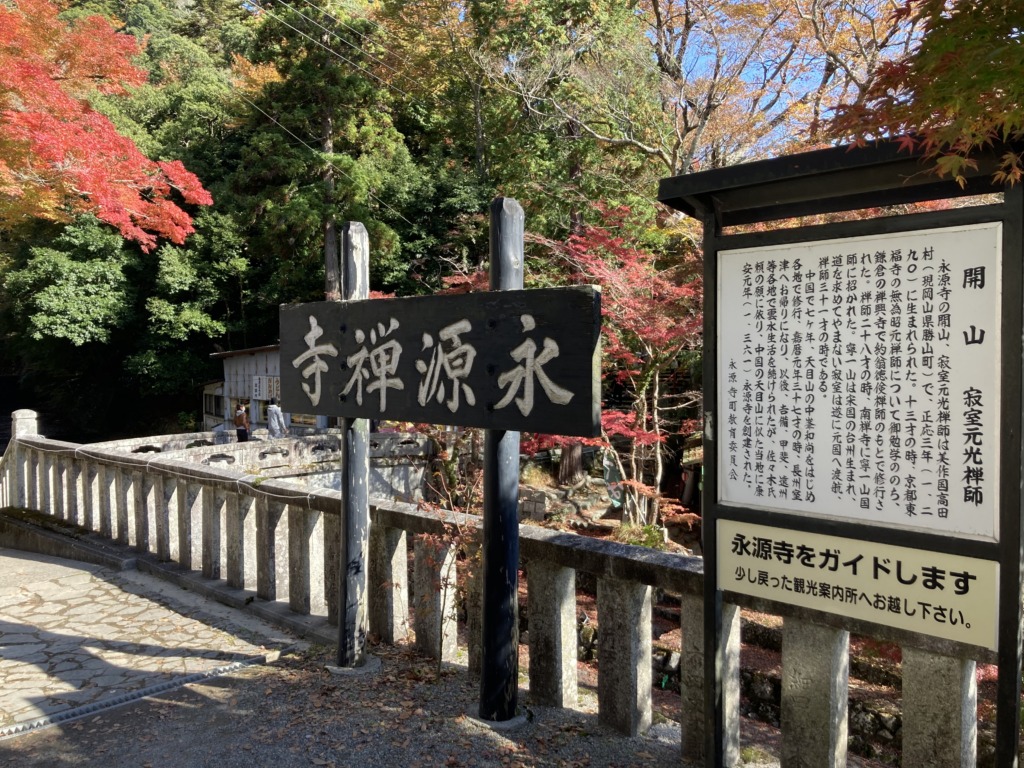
526, 360
942, 595
859, 378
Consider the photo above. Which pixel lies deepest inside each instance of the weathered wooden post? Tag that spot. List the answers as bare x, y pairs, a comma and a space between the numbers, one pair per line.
499, 677
505, 360
355, 462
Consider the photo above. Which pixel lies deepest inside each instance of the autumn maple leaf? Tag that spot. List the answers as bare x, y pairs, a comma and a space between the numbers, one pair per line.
58, 156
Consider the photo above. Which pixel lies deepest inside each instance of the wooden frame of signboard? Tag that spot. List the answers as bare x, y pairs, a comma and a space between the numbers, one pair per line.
974, 525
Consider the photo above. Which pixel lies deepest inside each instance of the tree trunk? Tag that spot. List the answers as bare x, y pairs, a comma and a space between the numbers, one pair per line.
570, 468
332, 269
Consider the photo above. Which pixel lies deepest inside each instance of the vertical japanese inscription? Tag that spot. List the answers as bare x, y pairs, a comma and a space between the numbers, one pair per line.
859, 378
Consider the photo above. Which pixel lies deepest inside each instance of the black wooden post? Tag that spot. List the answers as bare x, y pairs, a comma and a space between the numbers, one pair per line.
499, 677
355, 462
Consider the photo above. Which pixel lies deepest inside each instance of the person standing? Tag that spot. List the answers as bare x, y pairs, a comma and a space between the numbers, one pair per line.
242, 423
275, 419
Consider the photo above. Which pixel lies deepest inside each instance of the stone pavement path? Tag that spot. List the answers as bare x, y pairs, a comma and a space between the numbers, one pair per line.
76, 638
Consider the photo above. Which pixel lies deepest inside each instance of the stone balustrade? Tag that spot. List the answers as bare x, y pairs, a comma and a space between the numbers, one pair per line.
273, 542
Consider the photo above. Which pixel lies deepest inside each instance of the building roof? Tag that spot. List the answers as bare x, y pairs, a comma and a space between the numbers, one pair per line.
249, 351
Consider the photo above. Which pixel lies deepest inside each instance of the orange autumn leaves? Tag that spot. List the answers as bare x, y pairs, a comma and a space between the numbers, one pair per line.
59, 157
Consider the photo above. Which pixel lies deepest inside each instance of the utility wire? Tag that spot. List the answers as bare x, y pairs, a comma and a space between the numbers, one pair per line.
318, 151
331, 51
383, 82
362, 36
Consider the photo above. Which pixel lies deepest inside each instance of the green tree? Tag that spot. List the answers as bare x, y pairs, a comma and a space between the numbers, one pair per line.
97, 326
318, 147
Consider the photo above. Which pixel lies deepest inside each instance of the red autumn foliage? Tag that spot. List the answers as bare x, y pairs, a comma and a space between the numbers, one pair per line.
650, 313
60, 157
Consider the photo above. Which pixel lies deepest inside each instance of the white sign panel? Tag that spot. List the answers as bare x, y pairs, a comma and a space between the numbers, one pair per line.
859, 378
266, 387
947, 596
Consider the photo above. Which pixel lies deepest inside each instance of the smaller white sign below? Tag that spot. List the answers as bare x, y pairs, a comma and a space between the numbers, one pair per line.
933, 593
266, 387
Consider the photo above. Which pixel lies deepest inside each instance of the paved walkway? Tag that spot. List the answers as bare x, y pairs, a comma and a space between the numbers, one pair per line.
76, 638
77, 641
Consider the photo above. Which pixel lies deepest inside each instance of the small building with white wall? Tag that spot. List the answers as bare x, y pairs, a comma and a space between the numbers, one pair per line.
251, 376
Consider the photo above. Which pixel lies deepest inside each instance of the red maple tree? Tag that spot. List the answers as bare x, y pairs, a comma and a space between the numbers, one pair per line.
60, 157
651, 312
956, 92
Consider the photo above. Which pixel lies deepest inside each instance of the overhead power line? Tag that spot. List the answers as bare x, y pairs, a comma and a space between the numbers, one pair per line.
315, 150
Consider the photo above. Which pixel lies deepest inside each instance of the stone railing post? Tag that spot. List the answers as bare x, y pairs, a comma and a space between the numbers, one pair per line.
124, 505
940, 710
91, 477
691, 673
33, 474
189, 503
434, 591
815, 692
241, 541
271, 549
145, 511
212, 533
475, 603
46, 483
24, 423
388, 583
165, 497
553, 645
624, 653
306, 560
74, 490
108, 500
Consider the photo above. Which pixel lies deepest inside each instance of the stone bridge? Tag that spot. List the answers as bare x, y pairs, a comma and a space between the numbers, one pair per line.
257, 527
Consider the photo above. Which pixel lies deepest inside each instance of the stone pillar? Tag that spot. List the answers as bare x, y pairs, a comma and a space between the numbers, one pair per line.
66, 487
123, 505
234, 547
53, 491
24, 423
32, 499
190, 524
940, 710
240, 532
388, 584
107, 507
317, 563
247, 516
46, 482
434, 595
169, 519
624, 655
815, 677
145, 511
212, 534
300, 530
165, 492
271, 549
74, 490
475, 602
551, 606
91, 477
691, 672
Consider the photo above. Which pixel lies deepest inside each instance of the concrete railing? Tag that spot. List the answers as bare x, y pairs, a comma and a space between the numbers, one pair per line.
275, 541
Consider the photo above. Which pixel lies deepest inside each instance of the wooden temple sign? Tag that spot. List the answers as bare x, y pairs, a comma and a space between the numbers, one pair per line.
507, 360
